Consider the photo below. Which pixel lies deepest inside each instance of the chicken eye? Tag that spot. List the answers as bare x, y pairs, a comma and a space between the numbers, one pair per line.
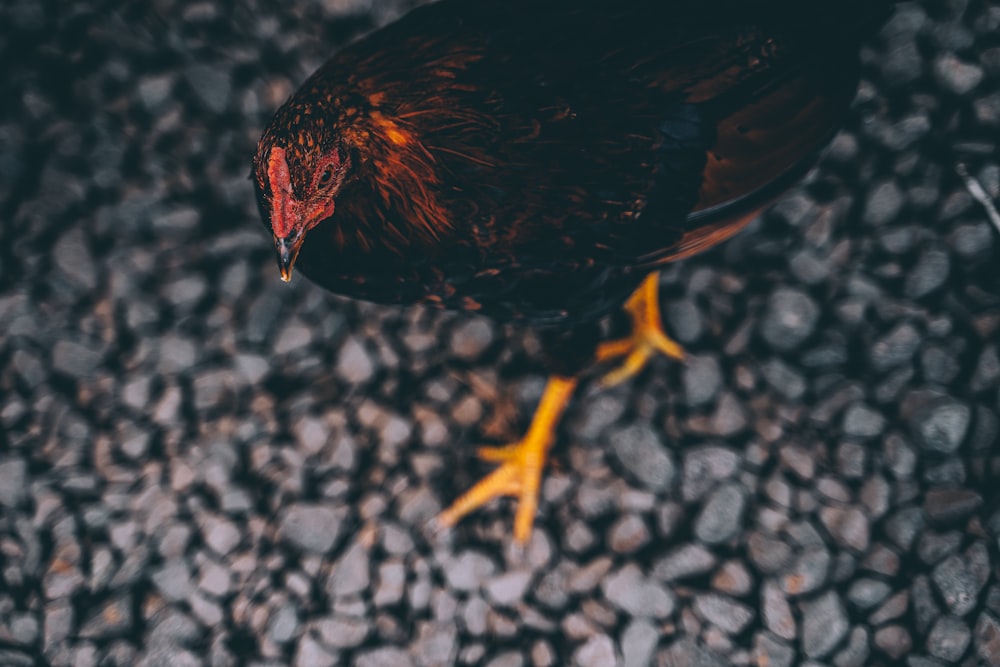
325, 178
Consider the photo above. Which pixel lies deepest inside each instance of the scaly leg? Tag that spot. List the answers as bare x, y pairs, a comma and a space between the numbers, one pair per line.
647, 336
521, 464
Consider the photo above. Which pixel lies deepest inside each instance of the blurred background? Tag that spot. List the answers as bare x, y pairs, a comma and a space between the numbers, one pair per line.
201, 465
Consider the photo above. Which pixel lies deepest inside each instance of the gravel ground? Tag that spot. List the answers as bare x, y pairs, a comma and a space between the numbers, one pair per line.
200, 465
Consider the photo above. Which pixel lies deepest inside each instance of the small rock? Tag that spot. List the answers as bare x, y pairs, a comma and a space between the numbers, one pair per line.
895, 348
76, 359
894, 641
987, 638
13, 482
702, 379
824, 625
687, 653
354, 364
598, 651
949, 638
471, 338
721, 517
341, 632
777, 612
628, 534
725, 613
857, 651
942, 425
628, 590
113, 619
866, 593
349, 574
957, 584
704, 467
951, 506
469, 571
929, 273
638, 643
809, 572
283, 626
790, 318
769, 651
883, 204
958, 77
384, 657
862, 421
643, 454
212, 85
685, 561
312, 528
509, 588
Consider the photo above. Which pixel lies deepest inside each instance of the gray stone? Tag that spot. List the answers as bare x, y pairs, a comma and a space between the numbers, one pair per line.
349, 574
509, 588
862, 421
929, 273
687, 653
311, 654
340, 632
638, 643
777, 612
942, 426
849, 527
354, 365
75, 358
283, 625
312, 528
824, 625
633, 593
956, 76
770, 651
957, 584
173, 579
725, 613
73, 257
13, 482
883, 203
857, 651
642, 453
471, 338
384, 657
436, 644
212, 84
951, 506
702, 379
904, 526
949, 639
704, 467
790, 318
895, 348
987, 639
865, 593
597, 651
685, 561
721, 518
628, 534
469, 571
894, 641
808, 573
113, 619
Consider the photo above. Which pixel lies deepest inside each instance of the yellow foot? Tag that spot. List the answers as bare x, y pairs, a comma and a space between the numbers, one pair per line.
521, 464
647, 336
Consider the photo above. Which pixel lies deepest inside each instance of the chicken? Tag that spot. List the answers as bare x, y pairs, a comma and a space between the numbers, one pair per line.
537, 162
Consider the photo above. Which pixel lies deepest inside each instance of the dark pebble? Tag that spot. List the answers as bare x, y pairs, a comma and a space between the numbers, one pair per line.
950, 506
942, 425
790, 318
949, 639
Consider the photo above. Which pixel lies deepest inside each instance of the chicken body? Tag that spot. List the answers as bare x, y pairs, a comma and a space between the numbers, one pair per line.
535, 161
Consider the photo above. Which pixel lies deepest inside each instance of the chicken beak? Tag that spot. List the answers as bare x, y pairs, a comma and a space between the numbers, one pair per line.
288, 250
